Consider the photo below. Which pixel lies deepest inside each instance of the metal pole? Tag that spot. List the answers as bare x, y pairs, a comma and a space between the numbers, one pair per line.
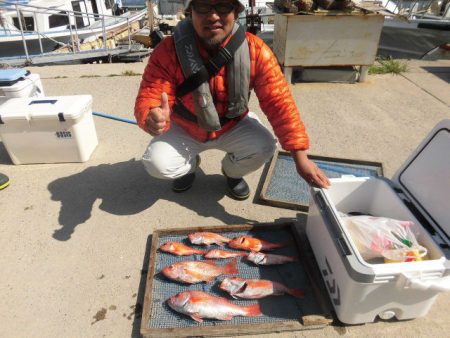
38, 33
19, 18
129, 34
71, 33
104, 32
150, 14
76, 31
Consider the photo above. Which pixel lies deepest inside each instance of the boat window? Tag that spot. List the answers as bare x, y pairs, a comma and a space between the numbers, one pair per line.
79, 19
57, 20
27, 22
109, 4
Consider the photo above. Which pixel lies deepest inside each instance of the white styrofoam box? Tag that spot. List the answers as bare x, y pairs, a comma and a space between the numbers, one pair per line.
19, 83
359, 290
48, 130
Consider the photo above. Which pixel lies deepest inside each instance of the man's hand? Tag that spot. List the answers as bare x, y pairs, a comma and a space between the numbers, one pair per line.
309, 170
158, 117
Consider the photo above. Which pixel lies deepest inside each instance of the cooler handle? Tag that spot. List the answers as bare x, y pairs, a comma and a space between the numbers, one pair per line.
332, 223
440, 285
42, 102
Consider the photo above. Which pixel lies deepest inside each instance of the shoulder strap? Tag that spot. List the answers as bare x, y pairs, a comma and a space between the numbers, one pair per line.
223, 57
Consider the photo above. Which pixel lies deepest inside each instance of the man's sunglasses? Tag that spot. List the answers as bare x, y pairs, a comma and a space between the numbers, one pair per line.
220, 8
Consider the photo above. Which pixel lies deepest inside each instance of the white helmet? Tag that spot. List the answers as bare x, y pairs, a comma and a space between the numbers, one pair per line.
241, 4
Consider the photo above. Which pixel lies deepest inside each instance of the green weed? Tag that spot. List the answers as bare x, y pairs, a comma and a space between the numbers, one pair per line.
129, 73
386, 66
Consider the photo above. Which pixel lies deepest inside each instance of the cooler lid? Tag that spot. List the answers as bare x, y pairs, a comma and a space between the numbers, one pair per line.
425, 178
9, 77
58, 107
9, 111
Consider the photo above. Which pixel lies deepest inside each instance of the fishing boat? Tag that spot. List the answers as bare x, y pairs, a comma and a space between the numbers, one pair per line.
36, 27
413, 29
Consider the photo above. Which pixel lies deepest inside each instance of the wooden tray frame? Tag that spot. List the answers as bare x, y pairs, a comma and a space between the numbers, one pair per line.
314, 321
296, 206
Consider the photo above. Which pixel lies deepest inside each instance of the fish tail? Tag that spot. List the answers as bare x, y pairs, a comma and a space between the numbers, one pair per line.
231, 268
200, 252
252, 310
283, 244
299, 293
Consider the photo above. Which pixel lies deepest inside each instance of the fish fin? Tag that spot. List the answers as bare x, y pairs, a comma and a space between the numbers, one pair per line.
299, 293
210, 262
253, 310
271, 246
196, 317
210, 279
284, 244
200, 252
225, 317
234, 296
231, 268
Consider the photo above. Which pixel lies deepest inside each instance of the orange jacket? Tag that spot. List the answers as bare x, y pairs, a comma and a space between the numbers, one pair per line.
163, 73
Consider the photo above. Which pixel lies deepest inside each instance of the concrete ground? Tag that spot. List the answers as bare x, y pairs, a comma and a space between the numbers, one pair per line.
74, 235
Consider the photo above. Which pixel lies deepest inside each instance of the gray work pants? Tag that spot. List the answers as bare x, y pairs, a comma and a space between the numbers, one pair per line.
248, 145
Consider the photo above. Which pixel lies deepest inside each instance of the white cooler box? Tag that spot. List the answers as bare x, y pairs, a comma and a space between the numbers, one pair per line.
360, 291
19, 83
48, 130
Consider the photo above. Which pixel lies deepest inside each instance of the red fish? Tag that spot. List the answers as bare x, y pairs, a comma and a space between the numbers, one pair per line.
207, 238
217, 253
260, 258
199, 304
198, 271
179, 249
257, 288
253, 244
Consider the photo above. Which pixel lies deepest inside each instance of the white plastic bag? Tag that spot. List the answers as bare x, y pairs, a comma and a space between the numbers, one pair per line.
395, 240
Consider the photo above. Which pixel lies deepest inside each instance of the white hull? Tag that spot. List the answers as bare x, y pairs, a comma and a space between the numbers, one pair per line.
412, 39
83, 27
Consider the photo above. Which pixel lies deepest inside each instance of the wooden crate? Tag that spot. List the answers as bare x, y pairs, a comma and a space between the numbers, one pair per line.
313, 317
327, 39
298, 187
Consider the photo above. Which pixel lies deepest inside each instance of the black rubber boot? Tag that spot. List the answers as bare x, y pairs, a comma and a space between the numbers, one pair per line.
185, 182
4, 181
237, 187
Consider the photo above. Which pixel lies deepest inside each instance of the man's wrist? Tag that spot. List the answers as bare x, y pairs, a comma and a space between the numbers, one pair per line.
299, 154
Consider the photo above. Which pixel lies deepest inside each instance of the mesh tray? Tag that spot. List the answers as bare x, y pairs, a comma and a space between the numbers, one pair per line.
283, 187
276, 310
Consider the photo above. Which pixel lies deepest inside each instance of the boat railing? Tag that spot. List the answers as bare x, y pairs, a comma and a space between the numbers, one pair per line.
420, 9
97, 30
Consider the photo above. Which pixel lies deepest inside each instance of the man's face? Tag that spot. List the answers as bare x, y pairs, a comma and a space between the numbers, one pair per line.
213, 20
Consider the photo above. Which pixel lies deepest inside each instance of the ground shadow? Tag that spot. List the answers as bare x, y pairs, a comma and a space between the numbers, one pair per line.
441, 72
141, 291
4, 157
125, 188
257, 198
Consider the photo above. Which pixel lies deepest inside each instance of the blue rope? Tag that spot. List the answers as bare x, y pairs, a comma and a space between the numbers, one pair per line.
114, 118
